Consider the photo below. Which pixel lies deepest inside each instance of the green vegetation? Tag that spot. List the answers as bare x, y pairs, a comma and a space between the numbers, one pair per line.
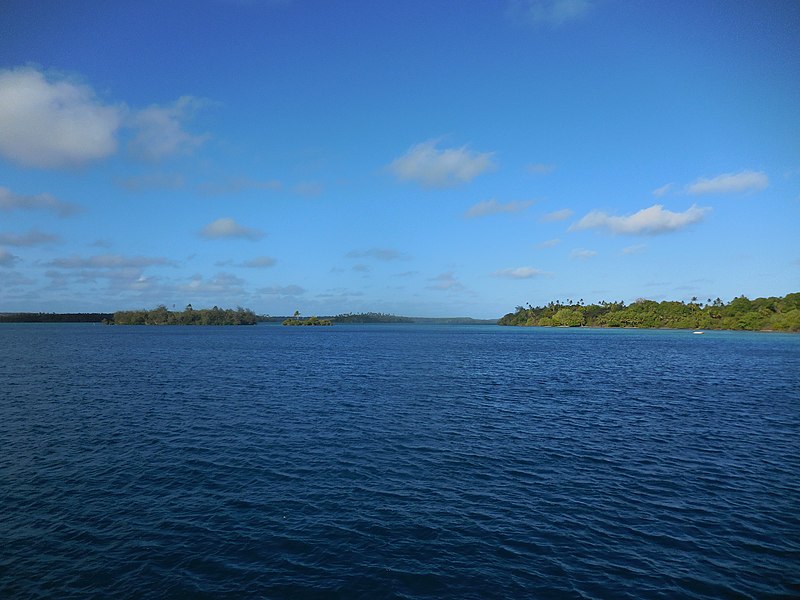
205, 316
310, 321
761, 314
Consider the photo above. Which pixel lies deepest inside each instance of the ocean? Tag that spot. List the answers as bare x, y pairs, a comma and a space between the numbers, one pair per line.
397, 461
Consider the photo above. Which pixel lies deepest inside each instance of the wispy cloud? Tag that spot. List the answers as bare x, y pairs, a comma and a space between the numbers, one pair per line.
540, 169
648, 221
227, 228
549, 12
121, 273
431, 167
259, 262
493, 207
52, 122
33, 238
520, 273
582, 253
385, 254
10, 201
308, 189
636, 249
446, 282
160, 130
730, 183
151, 181
7, 259
282, 290
107, 261
663, 190
238, 184
222, 284
549, 243
557, 215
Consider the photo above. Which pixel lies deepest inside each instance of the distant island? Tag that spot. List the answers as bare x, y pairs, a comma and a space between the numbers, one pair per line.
216, 316
41, 317
296, 321
382, 318
204, 316
761, 314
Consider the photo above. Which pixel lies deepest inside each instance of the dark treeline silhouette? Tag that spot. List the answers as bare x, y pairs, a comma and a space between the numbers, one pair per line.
370, 317
761, 314
54, 317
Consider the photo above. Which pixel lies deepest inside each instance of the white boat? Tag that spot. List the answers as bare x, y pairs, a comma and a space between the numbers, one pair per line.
698, 332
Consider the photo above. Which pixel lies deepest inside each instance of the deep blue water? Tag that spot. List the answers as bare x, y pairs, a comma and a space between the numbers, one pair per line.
397, 462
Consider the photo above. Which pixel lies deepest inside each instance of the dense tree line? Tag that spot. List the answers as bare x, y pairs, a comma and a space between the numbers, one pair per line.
761, 314
54, 317
204, 316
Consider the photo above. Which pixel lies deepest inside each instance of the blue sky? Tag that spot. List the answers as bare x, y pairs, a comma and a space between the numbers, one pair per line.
418, 158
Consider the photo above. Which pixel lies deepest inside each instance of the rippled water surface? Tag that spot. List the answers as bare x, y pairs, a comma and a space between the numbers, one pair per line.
397, 462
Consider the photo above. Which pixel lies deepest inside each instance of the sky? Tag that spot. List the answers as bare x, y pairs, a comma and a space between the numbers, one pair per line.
420, 158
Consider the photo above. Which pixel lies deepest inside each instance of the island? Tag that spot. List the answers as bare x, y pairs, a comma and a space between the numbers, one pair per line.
761, 314
296, 321
190, 316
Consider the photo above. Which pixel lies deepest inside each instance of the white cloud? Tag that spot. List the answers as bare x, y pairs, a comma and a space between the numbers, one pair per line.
493, 207
557, 215
431, 167
730, 183
648, 221
663, 190
10, 201
7, 259
385, 254
50, 123
32, 238
520, 273
228, 228
159, 130
549, 12
260, 262
582, 253
53, 122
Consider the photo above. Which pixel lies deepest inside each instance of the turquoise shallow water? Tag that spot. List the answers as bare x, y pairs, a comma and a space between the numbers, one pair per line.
398, 462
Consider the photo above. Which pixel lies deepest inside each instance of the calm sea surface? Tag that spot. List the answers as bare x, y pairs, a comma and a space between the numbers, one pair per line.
397, 462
